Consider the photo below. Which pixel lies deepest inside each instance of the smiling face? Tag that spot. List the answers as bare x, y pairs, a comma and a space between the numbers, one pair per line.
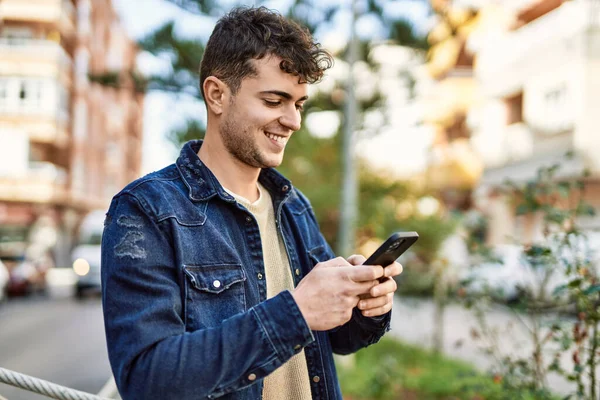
259, 119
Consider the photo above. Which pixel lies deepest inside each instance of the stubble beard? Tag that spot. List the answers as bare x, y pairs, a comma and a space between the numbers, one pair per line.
241, 144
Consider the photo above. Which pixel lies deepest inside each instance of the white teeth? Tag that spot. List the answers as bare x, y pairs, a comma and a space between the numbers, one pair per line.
279, 139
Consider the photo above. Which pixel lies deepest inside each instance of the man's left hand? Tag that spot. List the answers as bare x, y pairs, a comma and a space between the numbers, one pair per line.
380, 298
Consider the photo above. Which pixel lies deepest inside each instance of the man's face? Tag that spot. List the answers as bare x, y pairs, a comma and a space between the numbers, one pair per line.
260, 118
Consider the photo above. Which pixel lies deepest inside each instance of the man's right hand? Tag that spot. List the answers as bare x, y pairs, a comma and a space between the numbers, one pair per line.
327, 295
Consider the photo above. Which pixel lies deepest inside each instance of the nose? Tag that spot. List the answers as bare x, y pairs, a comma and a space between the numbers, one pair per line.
291, 119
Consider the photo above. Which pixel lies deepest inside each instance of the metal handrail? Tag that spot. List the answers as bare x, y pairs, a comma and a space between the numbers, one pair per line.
53, 390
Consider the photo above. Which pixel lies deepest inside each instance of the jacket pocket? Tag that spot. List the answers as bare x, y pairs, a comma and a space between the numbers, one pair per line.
213, 294
318, 254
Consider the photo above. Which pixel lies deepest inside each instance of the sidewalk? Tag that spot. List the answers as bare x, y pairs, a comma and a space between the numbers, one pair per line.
412, 321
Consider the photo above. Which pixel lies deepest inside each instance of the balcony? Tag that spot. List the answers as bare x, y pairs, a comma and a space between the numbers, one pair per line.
37, 107
34, 57
505, 62
61, 13
39, 129
42, 182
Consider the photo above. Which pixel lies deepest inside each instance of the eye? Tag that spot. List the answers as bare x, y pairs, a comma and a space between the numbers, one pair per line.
271, 103
300, 107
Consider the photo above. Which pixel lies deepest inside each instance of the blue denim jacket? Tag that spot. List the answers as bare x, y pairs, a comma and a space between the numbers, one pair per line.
184, 294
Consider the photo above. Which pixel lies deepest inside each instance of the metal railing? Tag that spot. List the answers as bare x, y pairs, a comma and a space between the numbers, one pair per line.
54, 391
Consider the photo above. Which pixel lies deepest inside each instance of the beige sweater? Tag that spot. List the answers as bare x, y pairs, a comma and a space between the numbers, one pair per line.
290, 381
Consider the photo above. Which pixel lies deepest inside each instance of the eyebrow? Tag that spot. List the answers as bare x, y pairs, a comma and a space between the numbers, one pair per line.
285, 95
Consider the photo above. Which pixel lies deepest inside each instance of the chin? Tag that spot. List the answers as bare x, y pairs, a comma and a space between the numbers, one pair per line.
272, 162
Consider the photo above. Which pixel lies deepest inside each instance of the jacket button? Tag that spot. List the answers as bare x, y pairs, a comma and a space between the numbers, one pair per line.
285, 188
248, 219
217, 284
297, 347
297, 271
316, 379
252, 377
260, 276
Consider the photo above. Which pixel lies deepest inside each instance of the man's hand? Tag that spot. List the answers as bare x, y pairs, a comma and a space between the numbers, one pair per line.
379, 299
327, 295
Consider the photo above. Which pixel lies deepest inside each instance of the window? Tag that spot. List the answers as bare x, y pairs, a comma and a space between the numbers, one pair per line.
16, 34
3, 94
30, 95
514, 106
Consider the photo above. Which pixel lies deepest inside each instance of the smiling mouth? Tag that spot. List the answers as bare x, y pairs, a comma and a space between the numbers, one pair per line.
277, 138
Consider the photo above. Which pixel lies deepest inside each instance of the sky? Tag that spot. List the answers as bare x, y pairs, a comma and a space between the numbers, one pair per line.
163, 112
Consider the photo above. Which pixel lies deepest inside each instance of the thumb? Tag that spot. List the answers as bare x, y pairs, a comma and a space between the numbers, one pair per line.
356, 259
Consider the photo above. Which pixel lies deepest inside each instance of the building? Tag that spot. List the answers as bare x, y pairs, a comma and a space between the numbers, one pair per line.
453, 168
537, 65
70, 119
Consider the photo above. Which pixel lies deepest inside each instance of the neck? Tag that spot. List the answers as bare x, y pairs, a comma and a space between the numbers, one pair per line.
231, 173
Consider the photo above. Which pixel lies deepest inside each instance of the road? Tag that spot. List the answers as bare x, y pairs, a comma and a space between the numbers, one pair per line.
57, 339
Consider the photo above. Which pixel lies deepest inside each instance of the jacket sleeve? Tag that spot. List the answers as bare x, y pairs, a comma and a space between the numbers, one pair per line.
360, 331
150, 352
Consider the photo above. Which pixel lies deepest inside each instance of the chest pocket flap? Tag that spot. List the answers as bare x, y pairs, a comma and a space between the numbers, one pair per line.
214, 278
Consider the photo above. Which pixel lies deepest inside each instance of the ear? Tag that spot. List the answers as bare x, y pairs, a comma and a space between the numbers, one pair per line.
215, 94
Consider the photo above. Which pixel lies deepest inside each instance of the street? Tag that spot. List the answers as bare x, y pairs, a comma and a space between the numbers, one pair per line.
57, 339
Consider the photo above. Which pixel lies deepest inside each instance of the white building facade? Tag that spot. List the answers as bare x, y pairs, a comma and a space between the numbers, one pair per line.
538, 72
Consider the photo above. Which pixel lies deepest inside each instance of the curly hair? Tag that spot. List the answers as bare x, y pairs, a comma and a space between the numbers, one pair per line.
251, 33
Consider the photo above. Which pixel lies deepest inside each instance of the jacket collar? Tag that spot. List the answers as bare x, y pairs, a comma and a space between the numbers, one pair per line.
202, 184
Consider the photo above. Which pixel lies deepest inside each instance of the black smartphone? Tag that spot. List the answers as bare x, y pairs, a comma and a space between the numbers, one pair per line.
392, 248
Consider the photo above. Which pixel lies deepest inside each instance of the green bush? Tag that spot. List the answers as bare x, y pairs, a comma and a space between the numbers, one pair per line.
393, 370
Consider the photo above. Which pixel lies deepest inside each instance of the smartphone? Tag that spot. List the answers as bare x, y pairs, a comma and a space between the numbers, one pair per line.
392, 248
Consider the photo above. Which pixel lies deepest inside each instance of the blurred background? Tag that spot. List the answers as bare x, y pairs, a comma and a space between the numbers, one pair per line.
472, 122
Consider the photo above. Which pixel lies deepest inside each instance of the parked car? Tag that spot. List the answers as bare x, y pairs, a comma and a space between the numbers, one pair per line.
86, 255
516, 274
26, 275
4, 277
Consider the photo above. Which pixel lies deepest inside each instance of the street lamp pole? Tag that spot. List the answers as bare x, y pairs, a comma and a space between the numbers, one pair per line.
349, 201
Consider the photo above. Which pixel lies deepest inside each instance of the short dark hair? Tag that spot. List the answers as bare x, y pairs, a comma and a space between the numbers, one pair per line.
251, 33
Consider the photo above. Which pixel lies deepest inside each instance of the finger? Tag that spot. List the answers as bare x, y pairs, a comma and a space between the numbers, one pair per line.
388, 286
375, 302
375, 312
393, 269
362, 273
356, 259
361, 288
336, 262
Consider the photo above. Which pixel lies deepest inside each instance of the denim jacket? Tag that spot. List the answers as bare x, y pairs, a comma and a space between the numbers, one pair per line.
184, 292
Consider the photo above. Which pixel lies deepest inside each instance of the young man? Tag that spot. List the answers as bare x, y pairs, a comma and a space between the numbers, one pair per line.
216, 280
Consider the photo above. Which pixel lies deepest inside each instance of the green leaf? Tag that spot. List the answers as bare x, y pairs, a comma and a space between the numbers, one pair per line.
576, 283
592, 289
559, 289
